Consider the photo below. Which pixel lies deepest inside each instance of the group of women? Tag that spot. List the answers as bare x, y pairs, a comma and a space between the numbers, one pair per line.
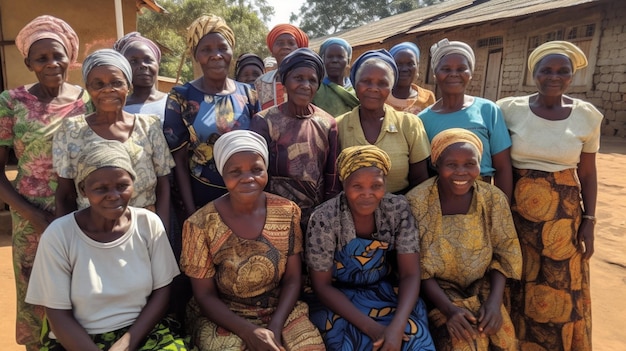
314, 175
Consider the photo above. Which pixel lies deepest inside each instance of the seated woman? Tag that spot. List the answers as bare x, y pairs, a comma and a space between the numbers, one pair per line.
336, 94
248, 68
103, 273
302, 138
242, 253
406, 95
108, 76
468, 247
347, 245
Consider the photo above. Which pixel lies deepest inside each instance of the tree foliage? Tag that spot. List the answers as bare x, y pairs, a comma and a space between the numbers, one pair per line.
245, 17
323, 17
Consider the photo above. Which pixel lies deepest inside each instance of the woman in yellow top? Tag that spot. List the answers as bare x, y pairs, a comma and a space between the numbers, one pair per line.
406, 95
400, 134
468, 248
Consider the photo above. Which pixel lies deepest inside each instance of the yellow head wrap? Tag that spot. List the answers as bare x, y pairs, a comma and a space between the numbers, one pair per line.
559, 47
451, 136
204, 25
100, 154
354, 158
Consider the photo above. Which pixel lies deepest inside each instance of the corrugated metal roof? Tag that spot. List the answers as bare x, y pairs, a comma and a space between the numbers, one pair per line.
452, 13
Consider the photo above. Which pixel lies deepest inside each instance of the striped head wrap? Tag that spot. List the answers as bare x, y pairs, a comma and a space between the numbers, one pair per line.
236, 141
336, 41
353, 158
445, 47
204, 25
303, 57
302, 40
559, 47
48, 27
133, 38
100, 154
451, 136
107, 57
247, 60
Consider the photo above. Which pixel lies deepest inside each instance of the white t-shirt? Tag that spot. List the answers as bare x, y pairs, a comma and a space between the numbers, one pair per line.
106, 285
550, 146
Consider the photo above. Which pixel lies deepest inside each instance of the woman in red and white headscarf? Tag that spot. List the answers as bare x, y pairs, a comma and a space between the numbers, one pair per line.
29, 116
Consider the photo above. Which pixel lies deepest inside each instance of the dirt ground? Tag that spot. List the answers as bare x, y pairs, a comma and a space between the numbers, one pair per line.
608, 265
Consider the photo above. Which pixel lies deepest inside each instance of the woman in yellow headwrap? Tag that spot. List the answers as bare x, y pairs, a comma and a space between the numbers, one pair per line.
29, 116
198, 112
555, 141
348, 243
468, 248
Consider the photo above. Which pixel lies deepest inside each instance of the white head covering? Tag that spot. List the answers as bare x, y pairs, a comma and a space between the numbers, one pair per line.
238, 141
445, 47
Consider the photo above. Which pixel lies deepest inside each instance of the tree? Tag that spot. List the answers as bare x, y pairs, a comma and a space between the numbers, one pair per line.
169, 30
323, 17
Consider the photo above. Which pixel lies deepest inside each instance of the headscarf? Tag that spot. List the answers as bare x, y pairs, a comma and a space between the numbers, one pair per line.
354, 158
204, 25
238, 141
100, 154
338, 41
246, 60
445, 47
48, 27
406, 46
269, 62
451, 136
303, 57
380, 55
302, 40
107, 57
559, 47
127, 41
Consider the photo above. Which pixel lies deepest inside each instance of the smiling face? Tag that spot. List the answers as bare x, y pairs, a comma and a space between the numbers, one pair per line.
283, 46
301, 85
364, 189
335, 61
373, 86
214, 54
48, 59
249, 74
553, 75
144, 64
108, 190
458, 167
453, 74
245, 175
407, 67
107, 86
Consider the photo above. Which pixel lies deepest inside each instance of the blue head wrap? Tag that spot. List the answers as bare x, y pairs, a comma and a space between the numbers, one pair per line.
334, 40
406, 46
302, 57
107, 57
381, 55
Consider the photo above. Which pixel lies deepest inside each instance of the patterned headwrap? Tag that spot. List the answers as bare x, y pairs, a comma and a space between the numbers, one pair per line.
452, 136
238, 141
128, 41
303, 57
107, 57
445, 47
48, 27
380, 55
100, 154
559, 47
269, 62
246, 60
302, 40
406, 46
338, 41
204, 25
353, 158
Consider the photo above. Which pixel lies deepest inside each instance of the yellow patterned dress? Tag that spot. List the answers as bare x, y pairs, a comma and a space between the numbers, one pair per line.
458, 251
247, 274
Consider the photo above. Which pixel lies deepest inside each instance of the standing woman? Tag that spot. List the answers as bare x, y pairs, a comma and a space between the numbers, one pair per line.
107, 76
302, 138
199, 111
248, 68
406, 95
29, 116
373, 122
555, 141
144, 57
453, 64
281, 40
336, 94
